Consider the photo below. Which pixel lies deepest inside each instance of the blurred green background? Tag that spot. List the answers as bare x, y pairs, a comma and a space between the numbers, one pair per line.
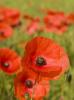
62, 89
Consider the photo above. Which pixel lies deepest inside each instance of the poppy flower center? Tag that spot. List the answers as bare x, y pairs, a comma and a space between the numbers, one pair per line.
1, 33
29, 83
40, 61
6, 65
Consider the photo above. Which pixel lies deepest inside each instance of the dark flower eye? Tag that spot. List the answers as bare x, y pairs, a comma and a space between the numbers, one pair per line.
1, 33
40, 61
6, 65
29, 83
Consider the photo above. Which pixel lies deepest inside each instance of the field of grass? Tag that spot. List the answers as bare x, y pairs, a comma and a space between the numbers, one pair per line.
61, 89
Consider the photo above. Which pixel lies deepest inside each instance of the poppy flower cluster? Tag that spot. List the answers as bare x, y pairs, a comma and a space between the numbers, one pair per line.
25, 84
8, 19
54, 21
43, 60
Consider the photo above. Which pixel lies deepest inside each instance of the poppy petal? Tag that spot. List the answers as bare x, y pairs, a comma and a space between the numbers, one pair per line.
10, 62
57, 61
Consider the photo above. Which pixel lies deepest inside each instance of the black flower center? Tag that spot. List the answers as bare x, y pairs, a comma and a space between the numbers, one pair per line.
6, 65
29, 83
40, 61
1, 33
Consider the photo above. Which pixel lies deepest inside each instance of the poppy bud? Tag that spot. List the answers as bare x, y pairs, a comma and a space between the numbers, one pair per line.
69, 77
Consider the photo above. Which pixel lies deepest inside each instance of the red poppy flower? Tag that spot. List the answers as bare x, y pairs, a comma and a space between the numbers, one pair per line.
10, 62
5, 31
56, 29
1, 15
55, 18
71, 18
45, 57
56, 22
33, 24
11, 16
24, 84
32, 28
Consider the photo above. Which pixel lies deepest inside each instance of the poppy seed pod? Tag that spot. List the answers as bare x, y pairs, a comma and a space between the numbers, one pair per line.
10, 62
23, 84
45, 57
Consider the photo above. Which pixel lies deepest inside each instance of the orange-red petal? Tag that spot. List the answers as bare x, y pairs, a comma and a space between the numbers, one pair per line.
38, 91
5, 31
10, 62
10, 16
56, 59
